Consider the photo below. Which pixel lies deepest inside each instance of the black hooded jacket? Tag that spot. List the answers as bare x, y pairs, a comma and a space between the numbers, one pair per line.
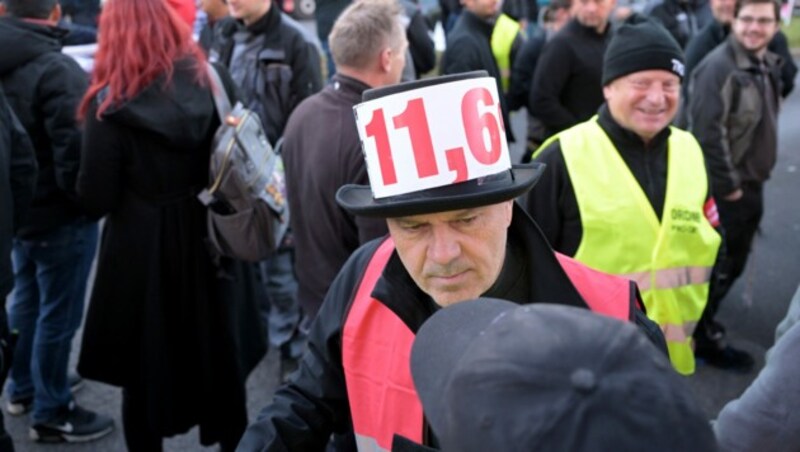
44, 88
17, 184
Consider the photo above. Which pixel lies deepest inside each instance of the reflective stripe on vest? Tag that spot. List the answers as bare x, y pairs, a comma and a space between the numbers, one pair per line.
376, 351
504, 32
671, 258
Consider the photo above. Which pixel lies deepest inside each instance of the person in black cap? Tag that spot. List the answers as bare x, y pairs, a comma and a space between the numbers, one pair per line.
484, 387
629, 195
455, 233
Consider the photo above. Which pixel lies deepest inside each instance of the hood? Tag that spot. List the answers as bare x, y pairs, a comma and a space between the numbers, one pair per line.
27, 41
181, 112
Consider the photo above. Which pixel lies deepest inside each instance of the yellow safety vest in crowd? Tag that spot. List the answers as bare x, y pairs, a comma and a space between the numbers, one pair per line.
505, 31
670, 259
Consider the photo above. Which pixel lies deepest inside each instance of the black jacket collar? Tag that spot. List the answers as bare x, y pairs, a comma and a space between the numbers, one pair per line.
624, 138
28, 41
348, 86
577, 28
474, 22
266, 23
547, 281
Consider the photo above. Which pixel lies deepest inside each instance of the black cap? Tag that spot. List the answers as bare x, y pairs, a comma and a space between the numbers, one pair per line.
641, 44
509, 184
493, 375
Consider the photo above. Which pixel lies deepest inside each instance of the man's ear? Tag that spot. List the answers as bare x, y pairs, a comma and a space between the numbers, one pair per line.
386, 59
607, 91
509, 211
55, 14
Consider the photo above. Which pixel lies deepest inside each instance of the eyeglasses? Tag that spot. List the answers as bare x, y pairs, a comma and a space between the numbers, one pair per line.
761, 21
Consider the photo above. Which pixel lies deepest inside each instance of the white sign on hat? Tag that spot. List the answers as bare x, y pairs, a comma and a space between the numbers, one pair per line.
432, 136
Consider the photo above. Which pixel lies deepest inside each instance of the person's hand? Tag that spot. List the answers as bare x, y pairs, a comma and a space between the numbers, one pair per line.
734, 195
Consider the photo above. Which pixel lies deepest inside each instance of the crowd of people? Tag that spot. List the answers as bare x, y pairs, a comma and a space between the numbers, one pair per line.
430, 292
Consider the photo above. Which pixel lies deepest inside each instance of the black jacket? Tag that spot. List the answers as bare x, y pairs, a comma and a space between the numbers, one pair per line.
161, 320
319, 160
420, 44
17, 185
305, 411
715, 33
282, 66
552, 202
469, 49
567, 87
683, 19
523, 69
44, 88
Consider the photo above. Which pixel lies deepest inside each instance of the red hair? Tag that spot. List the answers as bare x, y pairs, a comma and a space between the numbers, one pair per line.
138, 41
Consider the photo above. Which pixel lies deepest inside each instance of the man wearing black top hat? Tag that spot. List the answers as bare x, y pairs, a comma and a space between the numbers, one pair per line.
455, 233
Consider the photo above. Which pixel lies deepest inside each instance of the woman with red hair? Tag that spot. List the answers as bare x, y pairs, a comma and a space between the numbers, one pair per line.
162, 322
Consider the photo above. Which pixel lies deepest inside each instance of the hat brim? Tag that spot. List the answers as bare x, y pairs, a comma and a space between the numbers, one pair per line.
509, 184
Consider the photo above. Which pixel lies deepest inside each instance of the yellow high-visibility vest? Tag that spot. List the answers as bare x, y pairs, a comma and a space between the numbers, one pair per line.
504, 32
671, 258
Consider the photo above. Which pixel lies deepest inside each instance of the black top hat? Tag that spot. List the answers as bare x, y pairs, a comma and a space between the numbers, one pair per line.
481, 191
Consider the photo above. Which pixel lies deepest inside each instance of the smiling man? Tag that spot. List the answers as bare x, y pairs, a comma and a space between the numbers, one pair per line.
733, 108
448, 242
629, 195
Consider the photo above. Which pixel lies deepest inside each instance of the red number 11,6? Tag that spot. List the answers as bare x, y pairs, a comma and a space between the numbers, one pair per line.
415, 120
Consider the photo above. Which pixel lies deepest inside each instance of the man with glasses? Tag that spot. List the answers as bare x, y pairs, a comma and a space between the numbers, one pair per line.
734, 96
715, 33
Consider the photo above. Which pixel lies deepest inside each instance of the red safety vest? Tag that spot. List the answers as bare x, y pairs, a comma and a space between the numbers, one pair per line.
376, 351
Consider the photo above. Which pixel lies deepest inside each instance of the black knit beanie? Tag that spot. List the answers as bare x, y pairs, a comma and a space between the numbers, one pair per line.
641, 44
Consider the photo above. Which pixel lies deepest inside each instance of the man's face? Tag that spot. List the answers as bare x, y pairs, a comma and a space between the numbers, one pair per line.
755, 26
723, 10
484, 9
248, 11
593, 13
453, 256
644, 102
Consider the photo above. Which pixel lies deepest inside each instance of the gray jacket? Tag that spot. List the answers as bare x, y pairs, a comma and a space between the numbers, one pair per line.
767, 415
727, 103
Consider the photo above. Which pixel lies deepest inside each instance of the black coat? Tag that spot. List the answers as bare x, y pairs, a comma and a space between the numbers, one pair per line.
44, 87
161, 319
567, 84
469, 49
305, 411
17, 184
682, 19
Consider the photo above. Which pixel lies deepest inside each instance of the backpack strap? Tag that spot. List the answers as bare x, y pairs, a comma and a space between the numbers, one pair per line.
221, 100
